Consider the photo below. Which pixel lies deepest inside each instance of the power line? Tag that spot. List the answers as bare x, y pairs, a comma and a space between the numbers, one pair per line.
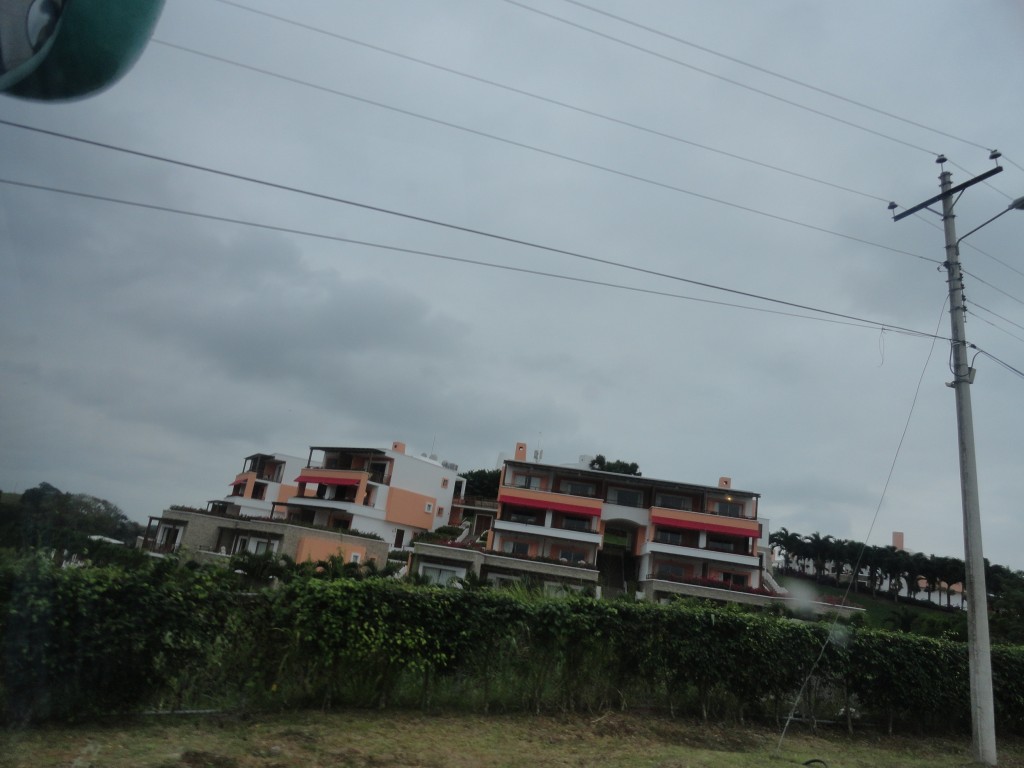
548, 100
976, 316
779, 75
871, 527
715, 75
413, 217
995, 359
985, 253
765, 70
540, 150
932, 224
831, 317
976, 305
993, 287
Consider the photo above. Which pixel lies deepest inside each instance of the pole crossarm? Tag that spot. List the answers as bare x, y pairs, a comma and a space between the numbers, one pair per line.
953, 191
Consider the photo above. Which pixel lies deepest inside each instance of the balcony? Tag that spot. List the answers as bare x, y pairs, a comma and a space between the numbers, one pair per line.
539, 529
544, 500
697, 553
505, 563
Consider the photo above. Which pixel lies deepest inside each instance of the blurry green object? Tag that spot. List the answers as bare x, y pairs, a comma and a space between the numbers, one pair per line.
52, 50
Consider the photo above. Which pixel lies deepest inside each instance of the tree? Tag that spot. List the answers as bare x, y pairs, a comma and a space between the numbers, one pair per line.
45, 516
601, 464
846, 553
820, 552
788, 543
482, 483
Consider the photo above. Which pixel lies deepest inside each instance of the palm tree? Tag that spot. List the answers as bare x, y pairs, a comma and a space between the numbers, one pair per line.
918, 564
929, 568
893, 566
370, 570
820, 551
952, 572
788, 543
845, 552
873, 559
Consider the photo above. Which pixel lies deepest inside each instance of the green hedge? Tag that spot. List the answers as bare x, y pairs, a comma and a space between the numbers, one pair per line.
83, 642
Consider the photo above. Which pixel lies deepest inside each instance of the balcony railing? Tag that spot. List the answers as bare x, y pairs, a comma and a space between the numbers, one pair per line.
713, 583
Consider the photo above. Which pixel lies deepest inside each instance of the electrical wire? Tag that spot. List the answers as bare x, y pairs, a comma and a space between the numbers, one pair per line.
772, 73
934, 225
832, 317
715, 75
976, 305
995, 359
779, 75
435, 222
548, 100
871, 527
990, 323
540, 150
993, 287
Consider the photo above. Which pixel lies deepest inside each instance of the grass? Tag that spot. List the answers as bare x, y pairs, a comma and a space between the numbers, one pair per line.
363, 739
878, 609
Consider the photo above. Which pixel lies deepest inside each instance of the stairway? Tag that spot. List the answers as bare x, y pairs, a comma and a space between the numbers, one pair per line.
611, 573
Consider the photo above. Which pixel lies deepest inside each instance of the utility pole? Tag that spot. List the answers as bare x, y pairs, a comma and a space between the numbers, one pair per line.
983, 728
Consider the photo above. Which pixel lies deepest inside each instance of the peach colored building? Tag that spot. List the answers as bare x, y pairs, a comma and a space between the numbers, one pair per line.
355, 501
575, 526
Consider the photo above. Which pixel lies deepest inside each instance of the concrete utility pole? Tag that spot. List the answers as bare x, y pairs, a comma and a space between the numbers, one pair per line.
983, 726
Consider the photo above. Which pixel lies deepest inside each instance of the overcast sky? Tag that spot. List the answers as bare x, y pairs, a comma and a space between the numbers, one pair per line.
145, 353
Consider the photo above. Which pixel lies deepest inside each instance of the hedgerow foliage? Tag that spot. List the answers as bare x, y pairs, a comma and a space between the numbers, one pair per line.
81, 642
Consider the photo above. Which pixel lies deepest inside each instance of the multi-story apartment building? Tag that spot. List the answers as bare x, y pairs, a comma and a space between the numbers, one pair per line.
266, 479
578, 526
354, 501
388, 493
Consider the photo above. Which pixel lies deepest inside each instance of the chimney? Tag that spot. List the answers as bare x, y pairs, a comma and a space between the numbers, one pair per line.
398, 447
897, 539
520, 451
725, 482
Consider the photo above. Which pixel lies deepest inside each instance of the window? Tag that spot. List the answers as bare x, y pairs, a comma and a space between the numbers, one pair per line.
663, 536
677, 538
259, 491
736, 579
238, 489
578, 489
354, 558
726, 545
729, 509
671, 571
437, 575
572, 556
440, 511
524, 518
526, 481
428, 507
671, 501
444, 482
576, 524
625, 498
399, 538
517, 547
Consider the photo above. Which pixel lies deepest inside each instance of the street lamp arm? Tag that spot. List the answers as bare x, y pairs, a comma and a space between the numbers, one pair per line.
1016, 205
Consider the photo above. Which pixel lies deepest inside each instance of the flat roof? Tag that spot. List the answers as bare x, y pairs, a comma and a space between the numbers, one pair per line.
342, 449
630, 479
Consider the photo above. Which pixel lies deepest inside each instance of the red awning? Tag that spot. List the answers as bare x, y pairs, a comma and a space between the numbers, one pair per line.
671, 522
327, 480
238, 482
558, 506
